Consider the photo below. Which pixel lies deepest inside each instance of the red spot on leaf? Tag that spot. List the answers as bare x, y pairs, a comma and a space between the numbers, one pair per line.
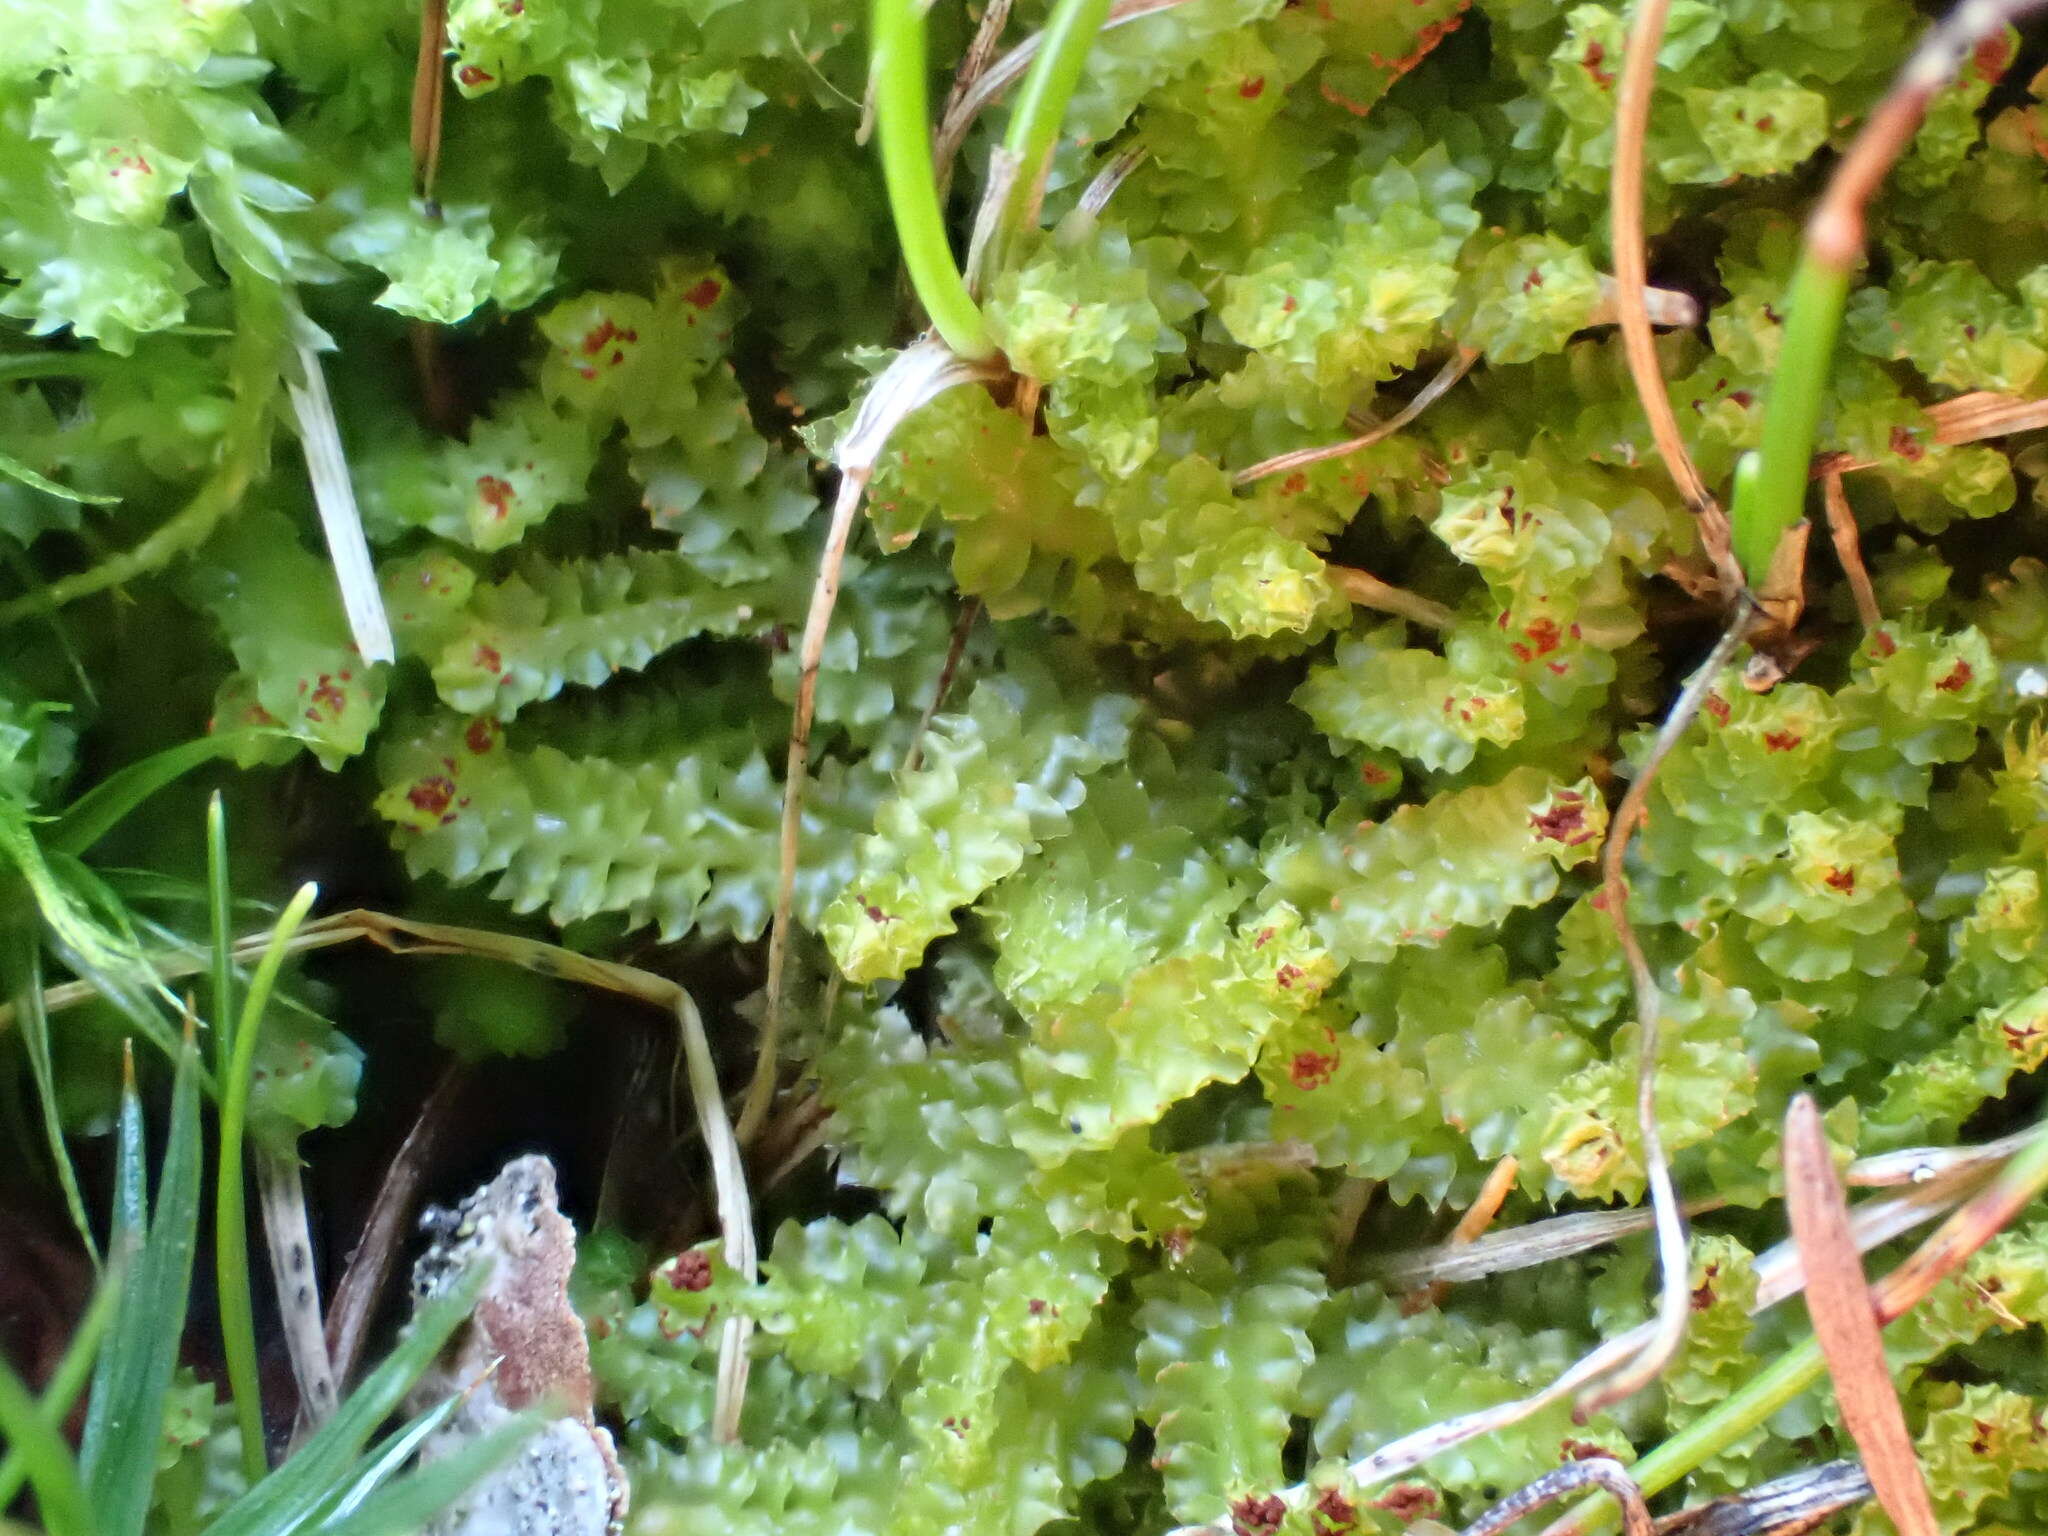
1903, 443
480, 736
1408, 1501
1564, 822
1957, 678
469, 74
430, 796
497, 495
1839, 879
1252, 89
1310, 1070
1594, 56
1782, 741
1257, 1514
705, 293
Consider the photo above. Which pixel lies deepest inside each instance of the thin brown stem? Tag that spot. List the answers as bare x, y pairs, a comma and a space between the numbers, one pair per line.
1835, 233
376, 1252
963, 627
1427, 396
429, 84
1631, 277
973, 65
1368, 591
1673, 1301
1572, 1477
1849, 549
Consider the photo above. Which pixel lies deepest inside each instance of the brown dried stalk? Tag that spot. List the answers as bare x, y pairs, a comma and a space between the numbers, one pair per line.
963, 626
1631, 275
918, 373
1368, 591
1838, 1300
376, 1252
1573, 1476
429, 83
1849, 548
1427, 396
1673, 1264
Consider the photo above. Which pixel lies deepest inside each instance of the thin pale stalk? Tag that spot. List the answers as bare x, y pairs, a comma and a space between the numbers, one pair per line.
988, 32
1631, 277
1427, 396
1844, 1324
1673, 1303
288, 1236
1368, 591
901, 109
334, 496
1785, 1506
918, 374
1602, 1471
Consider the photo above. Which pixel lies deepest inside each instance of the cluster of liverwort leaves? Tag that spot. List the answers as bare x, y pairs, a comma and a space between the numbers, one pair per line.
1218, 934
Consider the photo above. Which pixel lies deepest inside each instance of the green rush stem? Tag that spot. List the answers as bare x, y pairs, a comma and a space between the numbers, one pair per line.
1042, 106
1770, 495
902, 110
231, 1228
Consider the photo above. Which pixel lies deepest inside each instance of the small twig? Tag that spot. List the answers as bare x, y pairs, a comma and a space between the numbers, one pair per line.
1600, 1471
1923, 1165
1673, 1302
288, 1236
1427, 396
376, 1252
1849, 549
918, 374
1838, 1302
973, 65
1472, 1225
1368, 591
989, 86
1786, 1506
1105, 182
1631, 275
957, 648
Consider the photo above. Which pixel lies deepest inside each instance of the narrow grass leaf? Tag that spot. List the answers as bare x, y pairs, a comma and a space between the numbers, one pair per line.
406, 1505
35, 1040
69, 1379
1845, 1322
100, 809
14, 469
325, 1464
123, 1434
60, 1497
231, 1224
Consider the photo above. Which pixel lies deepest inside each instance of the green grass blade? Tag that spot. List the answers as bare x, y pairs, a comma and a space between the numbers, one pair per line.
123, 1432
384, 1462
1041, 107
404, 1506
60, 1496
231, 1229
902, 127
124, 1243
1772, 497
325, 1464
69, 1379
100, 809
220, 916
14, 469
35, 1040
